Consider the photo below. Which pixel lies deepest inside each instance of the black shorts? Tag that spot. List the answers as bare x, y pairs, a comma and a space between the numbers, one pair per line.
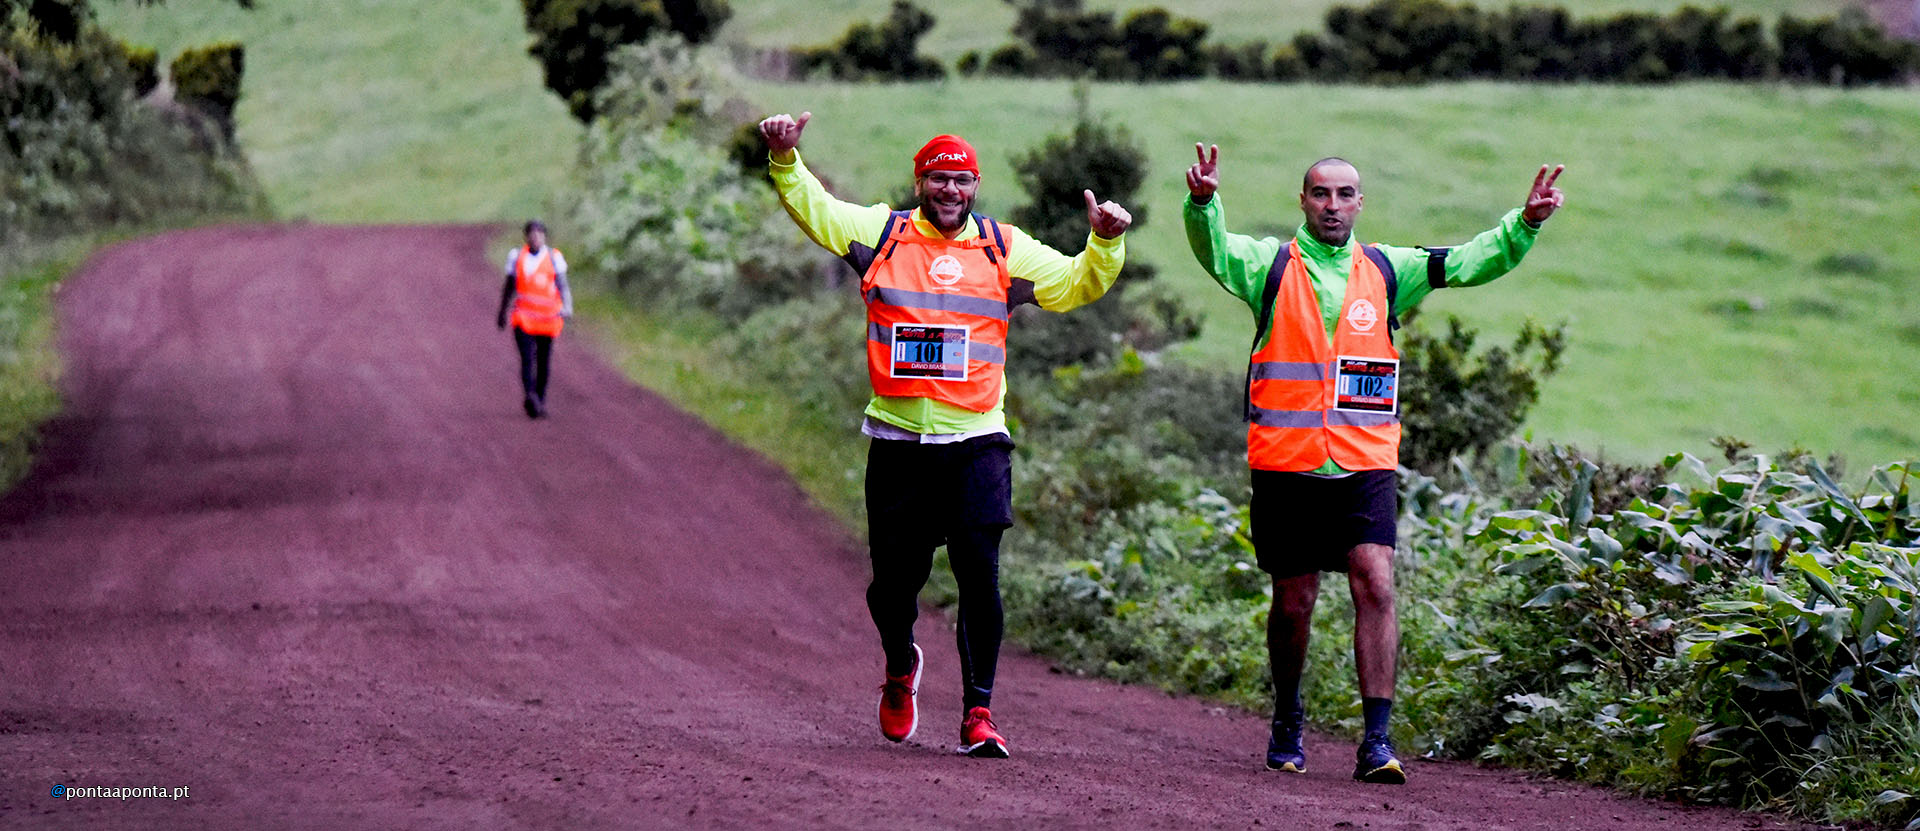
1304, 524
917, 494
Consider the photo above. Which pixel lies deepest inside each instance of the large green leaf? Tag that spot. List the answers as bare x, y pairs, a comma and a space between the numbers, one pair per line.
1555, 594
1604, 546
1835, 493
1878, 611
1582, 511
1525, 565
1694, 469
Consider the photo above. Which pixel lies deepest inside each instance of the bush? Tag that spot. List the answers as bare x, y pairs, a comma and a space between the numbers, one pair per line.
574, 38
143, 63
208, 79
1846, 50
1698, 651
1102, 158
1017, 59
1456, 403
1410, 41
1065, 40
887, 51
662, 206
77, 152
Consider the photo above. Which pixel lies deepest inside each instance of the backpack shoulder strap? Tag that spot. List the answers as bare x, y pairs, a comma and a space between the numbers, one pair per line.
990, 227
1380, 261
1268, 295
861, 257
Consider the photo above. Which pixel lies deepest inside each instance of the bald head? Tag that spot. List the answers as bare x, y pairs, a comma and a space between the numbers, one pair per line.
1330, 161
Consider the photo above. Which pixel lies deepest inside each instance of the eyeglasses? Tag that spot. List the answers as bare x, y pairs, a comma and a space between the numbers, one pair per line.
965, 180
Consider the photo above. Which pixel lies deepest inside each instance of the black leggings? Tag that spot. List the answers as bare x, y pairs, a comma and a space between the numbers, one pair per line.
534, 352
923, 496
893, 598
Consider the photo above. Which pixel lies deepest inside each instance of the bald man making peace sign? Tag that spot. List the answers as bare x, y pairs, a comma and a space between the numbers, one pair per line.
1323, 433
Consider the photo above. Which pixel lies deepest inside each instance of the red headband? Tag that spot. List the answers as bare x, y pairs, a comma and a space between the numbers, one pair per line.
946, 153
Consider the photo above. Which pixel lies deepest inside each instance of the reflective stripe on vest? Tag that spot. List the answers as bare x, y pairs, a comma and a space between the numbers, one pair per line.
920, 281
536, 293
1292, 425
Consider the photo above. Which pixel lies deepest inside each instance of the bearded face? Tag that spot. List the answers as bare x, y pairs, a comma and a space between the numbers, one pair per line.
946, 198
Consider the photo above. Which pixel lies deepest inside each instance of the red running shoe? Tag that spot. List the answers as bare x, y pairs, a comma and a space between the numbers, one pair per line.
899, 716
978, 738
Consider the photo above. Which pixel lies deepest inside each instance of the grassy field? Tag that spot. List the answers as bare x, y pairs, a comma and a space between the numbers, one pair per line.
369, 111
963, 25
1734, 260
28, 365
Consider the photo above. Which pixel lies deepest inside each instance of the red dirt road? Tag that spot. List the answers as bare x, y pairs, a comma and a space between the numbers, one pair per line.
294, 547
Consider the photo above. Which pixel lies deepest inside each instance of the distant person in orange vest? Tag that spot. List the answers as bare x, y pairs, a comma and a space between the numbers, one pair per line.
537, 301
1323, 436
939, 282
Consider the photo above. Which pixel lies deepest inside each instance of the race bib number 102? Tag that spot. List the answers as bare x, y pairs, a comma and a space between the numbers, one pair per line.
1366, 385
932, 352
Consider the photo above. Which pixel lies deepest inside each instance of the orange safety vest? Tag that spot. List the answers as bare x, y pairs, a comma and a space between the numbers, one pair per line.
536, 294
936, 313
1309, 400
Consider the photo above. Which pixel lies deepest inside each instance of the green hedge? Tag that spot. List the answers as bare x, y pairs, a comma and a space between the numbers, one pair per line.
888, 50
208, 78
1413, 41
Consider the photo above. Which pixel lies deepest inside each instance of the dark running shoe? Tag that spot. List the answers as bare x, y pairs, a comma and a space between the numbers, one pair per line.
1377, 764
978, 738
899, 714
532, 407
1284, 751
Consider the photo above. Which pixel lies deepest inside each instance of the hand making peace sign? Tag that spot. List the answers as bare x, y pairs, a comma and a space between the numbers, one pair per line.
1204, 178
1544, 198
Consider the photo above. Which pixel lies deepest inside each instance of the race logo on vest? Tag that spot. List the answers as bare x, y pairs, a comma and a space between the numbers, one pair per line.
946, 270
1362, 315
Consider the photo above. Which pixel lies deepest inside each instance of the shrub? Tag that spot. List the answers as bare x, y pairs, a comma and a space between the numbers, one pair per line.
1409, 41
1016, 59
1102, 158
1844, 50
143, 63
1065, 40
1731, 633
78, 152
208, 78
887, 51
1458, 403
572, 39
662, 207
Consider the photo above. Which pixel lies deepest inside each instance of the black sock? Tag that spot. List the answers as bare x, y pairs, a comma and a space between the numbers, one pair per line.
1287, 705
1377, 711
900, 666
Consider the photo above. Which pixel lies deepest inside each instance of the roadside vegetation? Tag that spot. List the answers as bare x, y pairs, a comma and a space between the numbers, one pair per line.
88, 151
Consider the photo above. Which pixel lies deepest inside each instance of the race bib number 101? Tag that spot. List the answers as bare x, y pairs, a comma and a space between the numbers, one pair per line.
932, 352
1366, 385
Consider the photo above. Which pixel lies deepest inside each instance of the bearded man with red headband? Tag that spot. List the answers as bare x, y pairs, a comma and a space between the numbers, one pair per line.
939, 282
